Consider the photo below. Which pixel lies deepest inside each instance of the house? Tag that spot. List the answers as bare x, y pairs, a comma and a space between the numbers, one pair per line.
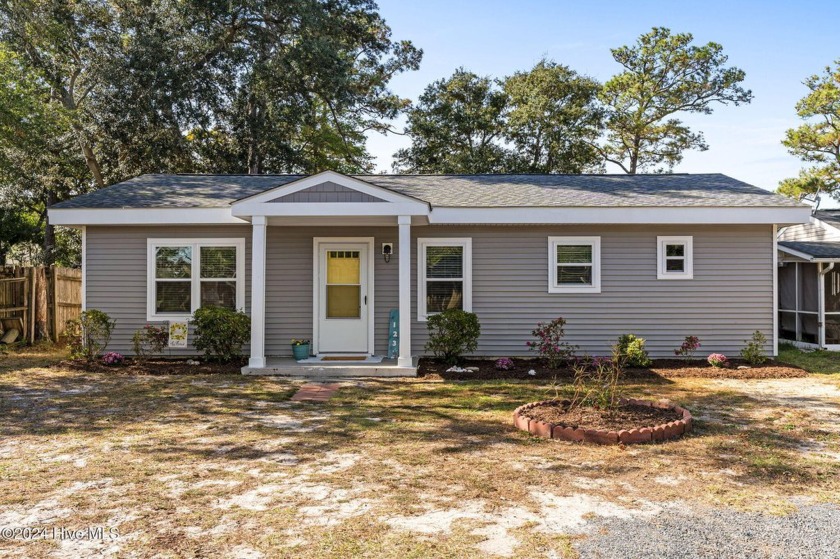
809, 282
329, 256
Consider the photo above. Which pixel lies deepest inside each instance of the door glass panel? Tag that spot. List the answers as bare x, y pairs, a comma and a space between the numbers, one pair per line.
343, 301
343, 267
344, 289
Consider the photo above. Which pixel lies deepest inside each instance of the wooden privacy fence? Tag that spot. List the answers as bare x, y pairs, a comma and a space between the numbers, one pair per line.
39, 300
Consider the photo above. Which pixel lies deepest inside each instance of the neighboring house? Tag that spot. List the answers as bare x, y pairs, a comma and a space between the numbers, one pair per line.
809, 282
329, 256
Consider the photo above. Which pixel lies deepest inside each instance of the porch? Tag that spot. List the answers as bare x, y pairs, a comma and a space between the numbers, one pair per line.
359, 239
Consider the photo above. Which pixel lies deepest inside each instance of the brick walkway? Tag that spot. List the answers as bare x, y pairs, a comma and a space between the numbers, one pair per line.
313, 392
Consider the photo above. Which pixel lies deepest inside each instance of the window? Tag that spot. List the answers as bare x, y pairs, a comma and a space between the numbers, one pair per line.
574, 264
675, 258
444, 270
185, 274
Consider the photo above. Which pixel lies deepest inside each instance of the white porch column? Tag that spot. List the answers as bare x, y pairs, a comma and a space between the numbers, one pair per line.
404, 256
258, 242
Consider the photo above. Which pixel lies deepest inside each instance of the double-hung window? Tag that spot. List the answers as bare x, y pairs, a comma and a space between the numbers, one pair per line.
574, 264
185, 274
675, 257
444, 269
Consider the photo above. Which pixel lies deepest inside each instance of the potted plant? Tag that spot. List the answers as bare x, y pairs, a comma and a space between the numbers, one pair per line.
300, 349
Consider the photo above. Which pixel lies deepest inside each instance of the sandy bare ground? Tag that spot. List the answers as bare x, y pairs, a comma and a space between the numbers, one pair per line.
226, 466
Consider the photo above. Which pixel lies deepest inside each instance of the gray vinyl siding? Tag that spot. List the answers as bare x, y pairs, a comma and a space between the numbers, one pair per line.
326, 192
730, 296
116, 273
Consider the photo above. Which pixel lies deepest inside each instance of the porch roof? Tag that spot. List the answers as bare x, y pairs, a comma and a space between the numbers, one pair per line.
817, 251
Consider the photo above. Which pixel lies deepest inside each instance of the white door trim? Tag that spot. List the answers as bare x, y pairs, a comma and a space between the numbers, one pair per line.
316, 286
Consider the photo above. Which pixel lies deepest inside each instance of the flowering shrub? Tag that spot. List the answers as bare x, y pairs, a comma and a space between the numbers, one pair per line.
504, 364
113, 358
549, 343
688, 347
717, 360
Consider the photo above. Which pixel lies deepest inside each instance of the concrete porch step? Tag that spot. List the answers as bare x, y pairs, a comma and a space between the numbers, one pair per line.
286, 366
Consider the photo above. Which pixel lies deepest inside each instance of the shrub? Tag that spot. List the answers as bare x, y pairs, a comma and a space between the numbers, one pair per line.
453, 333
717, 360
150, 340
631, 350
688, 347
549, 343
753, 353
220, 333
113, 358
504, 364
89, 335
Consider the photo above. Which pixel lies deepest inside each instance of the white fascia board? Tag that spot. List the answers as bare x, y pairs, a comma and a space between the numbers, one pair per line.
327, 209
147, 216
329, 176
621, 215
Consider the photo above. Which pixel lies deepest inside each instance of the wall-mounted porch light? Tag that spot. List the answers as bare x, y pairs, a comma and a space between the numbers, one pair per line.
387, 251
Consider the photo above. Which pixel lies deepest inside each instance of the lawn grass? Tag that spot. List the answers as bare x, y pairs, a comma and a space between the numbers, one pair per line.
820, 361
225, 465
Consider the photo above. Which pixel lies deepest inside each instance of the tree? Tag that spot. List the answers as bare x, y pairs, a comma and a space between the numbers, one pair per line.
817, 141
553, 119
455, 127
664, 75
15, 227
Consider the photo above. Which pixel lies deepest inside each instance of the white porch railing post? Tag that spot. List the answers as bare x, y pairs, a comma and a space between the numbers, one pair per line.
404, 256
258, 244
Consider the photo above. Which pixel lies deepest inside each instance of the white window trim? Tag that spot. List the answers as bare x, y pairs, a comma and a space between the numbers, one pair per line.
661, 270
422, 243
595, 243
195, 280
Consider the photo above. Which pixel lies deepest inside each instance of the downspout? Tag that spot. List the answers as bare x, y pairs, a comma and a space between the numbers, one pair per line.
821, 299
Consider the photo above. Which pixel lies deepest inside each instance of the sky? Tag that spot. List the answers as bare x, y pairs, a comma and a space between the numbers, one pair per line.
778, 44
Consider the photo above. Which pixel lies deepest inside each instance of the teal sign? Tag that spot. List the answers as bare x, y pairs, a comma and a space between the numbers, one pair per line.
394, 334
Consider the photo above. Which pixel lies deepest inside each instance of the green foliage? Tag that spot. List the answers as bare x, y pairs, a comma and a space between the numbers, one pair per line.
553, 119
817, 141
543, 120
549, 343
150, 340
455, 127
664, 75
16, 227
630, 350
89, 335
452, 333
221, 333
753, 352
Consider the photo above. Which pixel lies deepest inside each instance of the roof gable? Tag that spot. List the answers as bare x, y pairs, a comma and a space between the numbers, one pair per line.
326, 192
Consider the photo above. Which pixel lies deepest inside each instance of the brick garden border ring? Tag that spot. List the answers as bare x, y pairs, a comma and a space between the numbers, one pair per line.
662, 432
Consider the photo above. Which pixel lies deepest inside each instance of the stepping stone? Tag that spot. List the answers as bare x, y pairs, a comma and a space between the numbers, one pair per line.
315, 392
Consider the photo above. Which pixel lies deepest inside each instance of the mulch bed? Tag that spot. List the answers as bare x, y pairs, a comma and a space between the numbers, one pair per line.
156, 366
626, 416
661, 370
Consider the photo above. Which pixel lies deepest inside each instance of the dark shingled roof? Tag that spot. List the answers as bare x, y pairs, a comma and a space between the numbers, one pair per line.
480, 191
830, 216
814, 249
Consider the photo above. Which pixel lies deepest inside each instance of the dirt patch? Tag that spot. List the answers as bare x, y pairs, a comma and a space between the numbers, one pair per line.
673, 368
155, 366
627, 416
661, 369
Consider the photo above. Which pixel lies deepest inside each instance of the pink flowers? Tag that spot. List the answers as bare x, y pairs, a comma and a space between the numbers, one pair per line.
688, 347
718, 360
504, 364
113, 358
